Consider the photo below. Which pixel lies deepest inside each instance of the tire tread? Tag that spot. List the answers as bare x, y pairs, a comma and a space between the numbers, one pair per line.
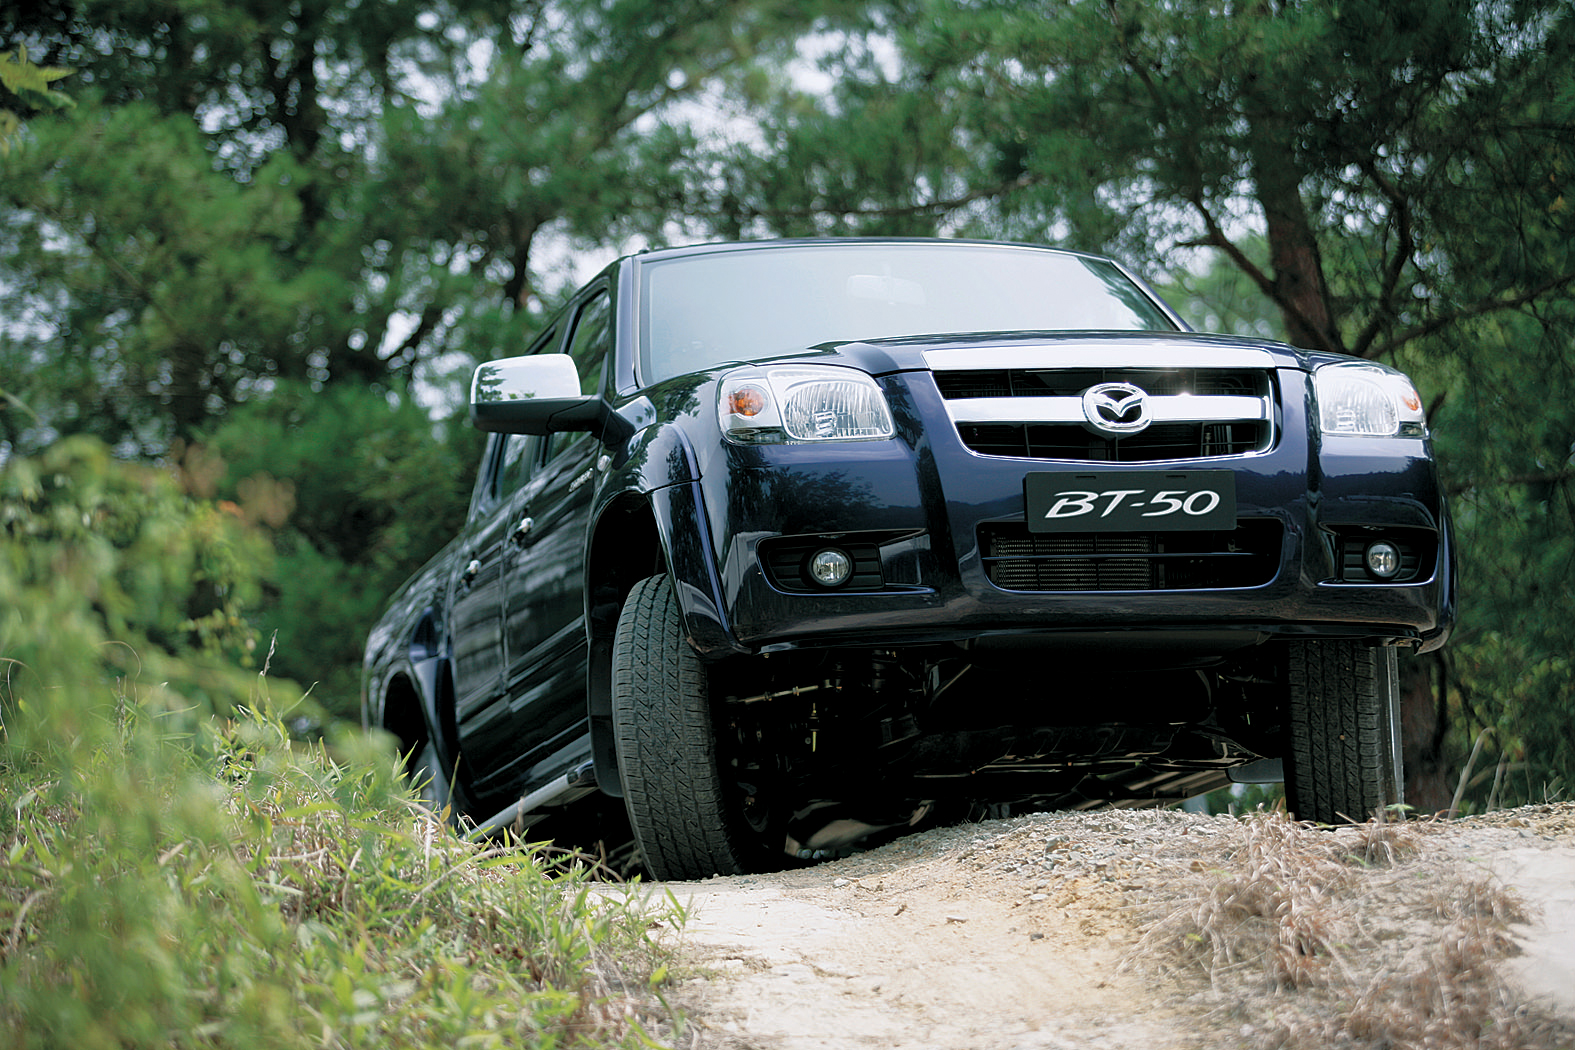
1344, 764
666, 743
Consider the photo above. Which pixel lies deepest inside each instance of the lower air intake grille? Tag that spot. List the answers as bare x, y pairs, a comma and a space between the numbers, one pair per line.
1018, 560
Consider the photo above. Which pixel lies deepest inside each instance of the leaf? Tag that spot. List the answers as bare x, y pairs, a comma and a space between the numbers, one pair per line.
30, 83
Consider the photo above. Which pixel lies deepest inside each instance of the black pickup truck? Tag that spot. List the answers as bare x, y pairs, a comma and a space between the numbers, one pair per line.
787, 543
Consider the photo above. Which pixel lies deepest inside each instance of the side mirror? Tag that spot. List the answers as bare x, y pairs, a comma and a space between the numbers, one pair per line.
532, 395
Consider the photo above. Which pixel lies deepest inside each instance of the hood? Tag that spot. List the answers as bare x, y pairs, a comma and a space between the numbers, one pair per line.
1068, 349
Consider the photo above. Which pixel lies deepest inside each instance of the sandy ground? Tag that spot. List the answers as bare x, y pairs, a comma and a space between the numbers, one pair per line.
1082, 931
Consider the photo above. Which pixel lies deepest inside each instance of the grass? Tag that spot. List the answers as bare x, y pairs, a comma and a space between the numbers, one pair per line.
176, 882
1285, 934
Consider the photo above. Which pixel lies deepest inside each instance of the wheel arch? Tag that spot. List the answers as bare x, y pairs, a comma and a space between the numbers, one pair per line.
625, 547
409, 703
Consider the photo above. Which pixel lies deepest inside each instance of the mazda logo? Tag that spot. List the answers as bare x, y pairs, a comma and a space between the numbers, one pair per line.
1115, 409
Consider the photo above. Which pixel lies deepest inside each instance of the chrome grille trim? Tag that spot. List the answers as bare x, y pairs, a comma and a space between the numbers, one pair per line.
1027, 402
1184, 408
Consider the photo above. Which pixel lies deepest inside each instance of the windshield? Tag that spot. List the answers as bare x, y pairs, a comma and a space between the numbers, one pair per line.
701, 311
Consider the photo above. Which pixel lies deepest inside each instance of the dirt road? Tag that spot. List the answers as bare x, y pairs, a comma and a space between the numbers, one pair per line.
1141, 930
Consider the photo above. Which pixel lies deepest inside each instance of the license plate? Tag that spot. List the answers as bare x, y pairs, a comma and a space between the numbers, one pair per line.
1130, 501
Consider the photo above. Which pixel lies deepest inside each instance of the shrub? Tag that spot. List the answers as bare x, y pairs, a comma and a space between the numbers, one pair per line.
175, 871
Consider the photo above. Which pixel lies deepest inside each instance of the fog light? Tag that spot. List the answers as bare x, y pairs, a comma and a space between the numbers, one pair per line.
1383, 559
830, 567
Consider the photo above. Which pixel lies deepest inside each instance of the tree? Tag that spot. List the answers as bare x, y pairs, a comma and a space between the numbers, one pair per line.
328, 191
255, 207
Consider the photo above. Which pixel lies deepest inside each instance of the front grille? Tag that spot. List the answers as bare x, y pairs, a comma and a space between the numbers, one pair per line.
1073, 441
1018, 560
1029, 413
1071, 382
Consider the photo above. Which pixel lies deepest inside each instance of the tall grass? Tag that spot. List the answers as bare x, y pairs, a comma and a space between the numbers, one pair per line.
176, 871
231, 888
1280, 924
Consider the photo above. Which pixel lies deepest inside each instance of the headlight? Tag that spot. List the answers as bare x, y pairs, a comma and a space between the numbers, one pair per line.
1369, 400
794, 403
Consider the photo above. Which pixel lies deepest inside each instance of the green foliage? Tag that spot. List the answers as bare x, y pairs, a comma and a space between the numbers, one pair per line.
109, 569
1375, 170
1510, 468
175, 871
344, 193
869, 152
232, 889
147, 286
31, 86
359, 488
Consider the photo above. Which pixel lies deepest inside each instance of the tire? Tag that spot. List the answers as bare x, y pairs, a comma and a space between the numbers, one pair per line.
693, 816
1343, 701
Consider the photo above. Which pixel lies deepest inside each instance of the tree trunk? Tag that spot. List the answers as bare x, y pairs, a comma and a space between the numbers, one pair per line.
1299, 287
1423, 720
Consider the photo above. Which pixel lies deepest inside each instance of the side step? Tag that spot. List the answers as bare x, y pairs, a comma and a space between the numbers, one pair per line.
555, 794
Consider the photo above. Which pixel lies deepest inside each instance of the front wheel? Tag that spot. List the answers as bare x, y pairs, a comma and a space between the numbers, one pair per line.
694, 813
1343, 701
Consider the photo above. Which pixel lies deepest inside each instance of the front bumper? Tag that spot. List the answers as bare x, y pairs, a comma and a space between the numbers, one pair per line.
920, 502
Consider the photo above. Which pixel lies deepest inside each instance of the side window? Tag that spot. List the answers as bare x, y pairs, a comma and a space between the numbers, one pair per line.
591, 341
514, 470
507, 467
590, 344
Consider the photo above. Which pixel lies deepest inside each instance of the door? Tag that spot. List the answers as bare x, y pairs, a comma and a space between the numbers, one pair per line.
476, 594
544, 576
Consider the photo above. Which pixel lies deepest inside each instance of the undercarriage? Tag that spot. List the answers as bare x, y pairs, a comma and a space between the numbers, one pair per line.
839, 744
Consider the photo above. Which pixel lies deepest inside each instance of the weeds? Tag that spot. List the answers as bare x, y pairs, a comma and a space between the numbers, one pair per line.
176, 872
1276, 910
244, 890
1448, 995
1285, 915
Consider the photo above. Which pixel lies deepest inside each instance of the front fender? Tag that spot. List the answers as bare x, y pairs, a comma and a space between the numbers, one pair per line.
663, 466
692, 566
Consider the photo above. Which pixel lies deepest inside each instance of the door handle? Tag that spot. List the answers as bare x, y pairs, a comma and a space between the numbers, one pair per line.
522, 529
472, 570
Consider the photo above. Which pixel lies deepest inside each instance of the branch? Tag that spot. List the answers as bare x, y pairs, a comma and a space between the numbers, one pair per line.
1216, 239
1547, 477
1397, 263
12, 401
1480, 309
405, 355
122, 271
949, 204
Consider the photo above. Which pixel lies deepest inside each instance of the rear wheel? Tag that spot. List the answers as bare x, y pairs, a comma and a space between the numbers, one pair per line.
1343, 700
696, 809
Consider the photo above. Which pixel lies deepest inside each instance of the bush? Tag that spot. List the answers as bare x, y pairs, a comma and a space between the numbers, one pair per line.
358, 489
235, 889
175, 871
